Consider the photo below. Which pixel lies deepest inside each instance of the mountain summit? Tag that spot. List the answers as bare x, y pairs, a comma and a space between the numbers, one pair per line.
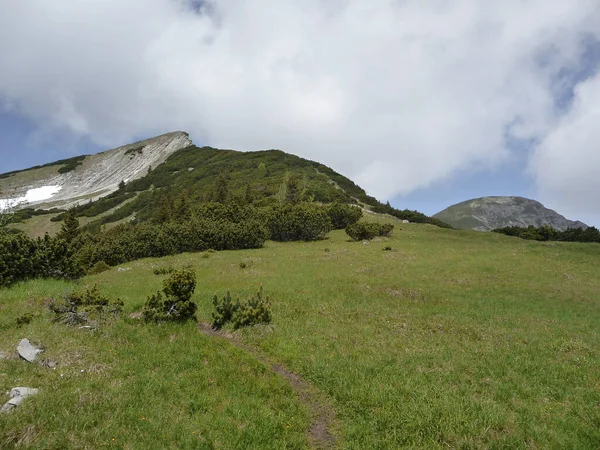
80, 179
488, 213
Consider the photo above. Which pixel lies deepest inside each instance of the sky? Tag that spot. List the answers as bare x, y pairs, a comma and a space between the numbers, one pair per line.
424, 103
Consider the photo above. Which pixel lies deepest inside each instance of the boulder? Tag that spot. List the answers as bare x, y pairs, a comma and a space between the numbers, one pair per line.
28, 351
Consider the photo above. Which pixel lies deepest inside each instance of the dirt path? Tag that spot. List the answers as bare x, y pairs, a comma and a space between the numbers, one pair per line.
321, 434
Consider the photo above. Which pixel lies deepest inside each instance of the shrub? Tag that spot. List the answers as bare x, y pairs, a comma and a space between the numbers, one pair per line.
97, 268
130, 242
24, 319
176, 304
22, 258
387, 248
85, 307
342, 215
163, 270
368, 230
301, 222
224, 310
255, 310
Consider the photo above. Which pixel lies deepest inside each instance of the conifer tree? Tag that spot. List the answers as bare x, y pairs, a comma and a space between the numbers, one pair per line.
221, 190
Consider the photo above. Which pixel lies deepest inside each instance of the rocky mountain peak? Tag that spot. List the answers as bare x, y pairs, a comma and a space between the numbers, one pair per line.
92, 176
487, 213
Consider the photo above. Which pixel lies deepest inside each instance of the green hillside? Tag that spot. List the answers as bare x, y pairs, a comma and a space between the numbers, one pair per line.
250, 177
450, 339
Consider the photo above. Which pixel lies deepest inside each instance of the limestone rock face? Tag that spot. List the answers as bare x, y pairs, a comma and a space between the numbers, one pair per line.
97, 176
488, 213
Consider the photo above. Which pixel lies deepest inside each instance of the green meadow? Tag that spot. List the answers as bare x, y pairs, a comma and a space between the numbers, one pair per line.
451, 339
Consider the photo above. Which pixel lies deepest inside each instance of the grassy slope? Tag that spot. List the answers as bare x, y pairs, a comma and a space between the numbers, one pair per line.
454, 338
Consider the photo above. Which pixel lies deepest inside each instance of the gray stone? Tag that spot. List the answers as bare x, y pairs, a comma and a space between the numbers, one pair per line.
123, 269
22, 392
17, 396
28, 351
405, 221
48, 363
2, 355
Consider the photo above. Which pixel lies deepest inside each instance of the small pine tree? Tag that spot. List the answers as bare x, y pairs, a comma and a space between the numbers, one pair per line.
262, 170
221, 190
176, 304
70, 228
182, 211
248, 195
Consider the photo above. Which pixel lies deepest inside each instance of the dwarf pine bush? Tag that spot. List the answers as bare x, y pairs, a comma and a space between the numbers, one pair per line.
225, 308
255, 310
174, 302
368, 230
84, 307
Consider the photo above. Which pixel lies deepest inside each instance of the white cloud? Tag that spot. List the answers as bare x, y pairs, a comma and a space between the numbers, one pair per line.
395, 94
567, 161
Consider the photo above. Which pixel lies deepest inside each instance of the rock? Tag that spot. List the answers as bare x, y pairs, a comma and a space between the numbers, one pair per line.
27, 351
17, 396
48, 363
405, 221
123, 269
22, 392
2, 355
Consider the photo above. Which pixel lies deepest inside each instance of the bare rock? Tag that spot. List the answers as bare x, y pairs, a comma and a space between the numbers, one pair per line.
28, 351
50, 364
17, 396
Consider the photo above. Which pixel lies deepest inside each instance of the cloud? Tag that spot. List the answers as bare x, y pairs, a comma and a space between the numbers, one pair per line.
395, 94
566, 162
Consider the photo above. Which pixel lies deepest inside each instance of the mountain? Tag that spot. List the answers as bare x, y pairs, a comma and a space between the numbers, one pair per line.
67, 182
140, 180
488, 213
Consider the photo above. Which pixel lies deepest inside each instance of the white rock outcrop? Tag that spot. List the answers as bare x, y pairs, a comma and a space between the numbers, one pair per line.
98, 175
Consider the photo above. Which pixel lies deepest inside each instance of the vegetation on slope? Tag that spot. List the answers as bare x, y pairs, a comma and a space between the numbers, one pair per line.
250, 177
66, 165
547, 233
451, 339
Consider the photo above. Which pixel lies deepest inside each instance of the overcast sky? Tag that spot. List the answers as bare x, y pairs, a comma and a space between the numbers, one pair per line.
422, 102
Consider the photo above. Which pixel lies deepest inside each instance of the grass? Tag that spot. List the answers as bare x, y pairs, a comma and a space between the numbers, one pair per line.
452, 339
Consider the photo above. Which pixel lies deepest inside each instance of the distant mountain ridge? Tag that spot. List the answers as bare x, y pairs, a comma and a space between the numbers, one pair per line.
488, 213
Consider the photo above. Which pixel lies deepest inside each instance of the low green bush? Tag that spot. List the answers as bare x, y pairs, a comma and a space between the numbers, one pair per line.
255, 310
97, 268
24, 319
368, 230
342, 215
163, 270
89, 307
300, 222
225, 308
174, 302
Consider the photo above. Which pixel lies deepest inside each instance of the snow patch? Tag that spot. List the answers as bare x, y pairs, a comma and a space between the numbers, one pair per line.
33, 195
